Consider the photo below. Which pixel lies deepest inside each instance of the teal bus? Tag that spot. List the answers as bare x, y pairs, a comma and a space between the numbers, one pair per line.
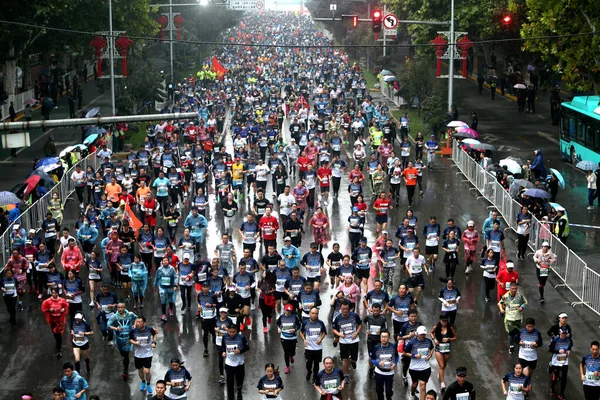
580, 129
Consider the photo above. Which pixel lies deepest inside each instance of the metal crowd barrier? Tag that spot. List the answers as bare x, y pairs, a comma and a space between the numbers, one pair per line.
570, 269
33, 216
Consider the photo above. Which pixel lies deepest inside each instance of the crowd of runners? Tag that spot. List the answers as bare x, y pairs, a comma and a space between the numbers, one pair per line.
289, 135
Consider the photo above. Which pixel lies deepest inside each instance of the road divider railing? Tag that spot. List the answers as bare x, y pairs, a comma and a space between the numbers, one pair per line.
572, 272
34, 215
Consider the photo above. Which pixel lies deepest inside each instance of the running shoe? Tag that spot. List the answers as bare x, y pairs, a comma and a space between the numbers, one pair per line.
149, 390
143, 386
163, 318
205, 354
222, 380
287, 370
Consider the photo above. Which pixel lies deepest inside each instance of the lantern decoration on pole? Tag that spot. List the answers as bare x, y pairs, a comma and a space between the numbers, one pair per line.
178, 20
440, 43
464, 44
163, 21
98, 43
123, 43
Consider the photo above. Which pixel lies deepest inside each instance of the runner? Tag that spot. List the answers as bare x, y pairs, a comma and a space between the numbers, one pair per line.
74, 385
461, 389
178, 379
346, 328
167, 283
362, 257
490, 269
529, 339
384, 356
419, 349
313, 262
516, 384
415, 266
511, 306
288, 326
443, 334
138, 273
449, 296
376, 323
270, 385
470, 239
143, 338
234, 346
56, 309
544, 259
432, 233
122, 322
80, 330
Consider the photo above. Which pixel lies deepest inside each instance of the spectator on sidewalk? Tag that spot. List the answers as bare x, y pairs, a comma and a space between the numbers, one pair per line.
27, 112
11, 112
531, 99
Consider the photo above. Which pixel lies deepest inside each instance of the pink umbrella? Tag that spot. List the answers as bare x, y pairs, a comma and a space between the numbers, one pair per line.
468, 132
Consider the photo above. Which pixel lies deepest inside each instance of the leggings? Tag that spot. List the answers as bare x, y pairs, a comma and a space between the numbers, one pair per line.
410, 191
164, 204
114, 272
289, 350
147, 259
267, 311
313, 358
562, 372
79, 191
221, 350
395, 189
522, 246
41, 283
541, 282
336, 184
125, 355
354, 239
310, 200
11, 306
384, 383
405, 364
57, 341
388, 277
236, 374
186, 295
451, 268
490, 283
208, 327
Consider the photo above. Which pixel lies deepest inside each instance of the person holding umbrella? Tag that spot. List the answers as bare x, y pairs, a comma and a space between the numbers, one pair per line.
591, 179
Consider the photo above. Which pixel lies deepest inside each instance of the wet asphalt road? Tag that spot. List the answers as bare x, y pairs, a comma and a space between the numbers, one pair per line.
30, 364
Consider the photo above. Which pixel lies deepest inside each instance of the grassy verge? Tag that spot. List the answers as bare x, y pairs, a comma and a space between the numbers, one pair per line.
137, 138
416, 122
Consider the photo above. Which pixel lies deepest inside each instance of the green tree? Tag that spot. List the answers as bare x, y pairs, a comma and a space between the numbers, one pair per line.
573, 57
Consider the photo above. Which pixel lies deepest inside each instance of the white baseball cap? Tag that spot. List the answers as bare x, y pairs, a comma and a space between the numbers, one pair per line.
421, 330
546, 244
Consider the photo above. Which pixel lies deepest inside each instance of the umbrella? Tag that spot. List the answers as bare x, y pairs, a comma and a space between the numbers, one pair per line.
471, 141
457, 124
520, 86
386, 72
48, 180
539, 193
93, 112
30, 101
390, 78
587, 165
516, 159
8, 198
48, 168
47, 161
482, 146
95, 130
31, 182
77, 147
555, 206
524, 183
90, 139
511, 165
561, 180
469, 132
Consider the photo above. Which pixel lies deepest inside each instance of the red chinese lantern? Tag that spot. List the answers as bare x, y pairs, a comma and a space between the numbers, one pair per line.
163, 21
178, 20
440, 43
98, 43
123, 44
464, 44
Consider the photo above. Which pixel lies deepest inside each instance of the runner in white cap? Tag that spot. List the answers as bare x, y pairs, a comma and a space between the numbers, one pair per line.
544, 258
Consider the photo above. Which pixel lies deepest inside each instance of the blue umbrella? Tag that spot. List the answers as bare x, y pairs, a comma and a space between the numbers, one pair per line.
555, 206
561, 180
8, 198
90, 139
587, 165
95, 130
538, 193
47, 161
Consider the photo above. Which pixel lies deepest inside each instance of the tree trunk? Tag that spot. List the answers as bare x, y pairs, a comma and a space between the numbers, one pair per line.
10, 79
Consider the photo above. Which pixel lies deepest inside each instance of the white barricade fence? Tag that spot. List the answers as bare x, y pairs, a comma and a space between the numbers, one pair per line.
33, 216
569, 268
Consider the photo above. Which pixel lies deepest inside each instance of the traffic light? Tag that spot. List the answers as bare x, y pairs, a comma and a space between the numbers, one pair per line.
377, 18
507, 19
350, 20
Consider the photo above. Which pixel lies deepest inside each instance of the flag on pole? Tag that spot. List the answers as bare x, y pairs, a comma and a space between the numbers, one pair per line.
218, 68
134, 222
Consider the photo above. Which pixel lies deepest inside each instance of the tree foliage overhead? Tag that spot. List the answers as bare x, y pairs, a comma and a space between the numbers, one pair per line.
576, 58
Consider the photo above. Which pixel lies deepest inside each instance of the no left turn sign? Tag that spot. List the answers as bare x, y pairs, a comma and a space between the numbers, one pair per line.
260, 5
390, 21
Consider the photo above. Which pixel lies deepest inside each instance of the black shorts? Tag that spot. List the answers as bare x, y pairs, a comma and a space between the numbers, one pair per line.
250, 179
314, 279
381, 219
422, 376
246, 302
531, 364
363, 273
142, 362
371, 344
82, 347
280, 295
324, 189
334, 271
431, 250
417, 280
125, 278
349, 351
98, 279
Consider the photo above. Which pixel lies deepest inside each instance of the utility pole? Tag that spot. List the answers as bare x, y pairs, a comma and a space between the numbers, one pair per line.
111, 43
171, 38
383, 30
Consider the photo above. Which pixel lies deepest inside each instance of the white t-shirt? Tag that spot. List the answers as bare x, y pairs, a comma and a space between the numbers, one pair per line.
415, 264
285, 203
78, 178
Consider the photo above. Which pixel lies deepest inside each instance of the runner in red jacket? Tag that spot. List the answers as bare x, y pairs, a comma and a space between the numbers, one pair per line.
56, 309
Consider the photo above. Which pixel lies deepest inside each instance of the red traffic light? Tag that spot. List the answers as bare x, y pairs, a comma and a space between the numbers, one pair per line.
354, 20
507, 19
376, 14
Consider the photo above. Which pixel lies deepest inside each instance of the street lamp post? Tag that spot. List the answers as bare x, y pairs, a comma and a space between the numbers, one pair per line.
451, 59
171, 38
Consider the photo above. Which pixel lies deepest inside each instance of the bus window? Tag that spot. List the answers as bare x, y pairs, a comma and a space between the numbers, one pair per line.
596, 135
580, 131
589, 134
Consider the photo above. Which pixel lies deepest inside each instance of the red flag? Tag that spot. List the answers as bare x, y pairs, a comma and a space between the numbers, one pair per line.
134, 222
242, 25
218, 68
